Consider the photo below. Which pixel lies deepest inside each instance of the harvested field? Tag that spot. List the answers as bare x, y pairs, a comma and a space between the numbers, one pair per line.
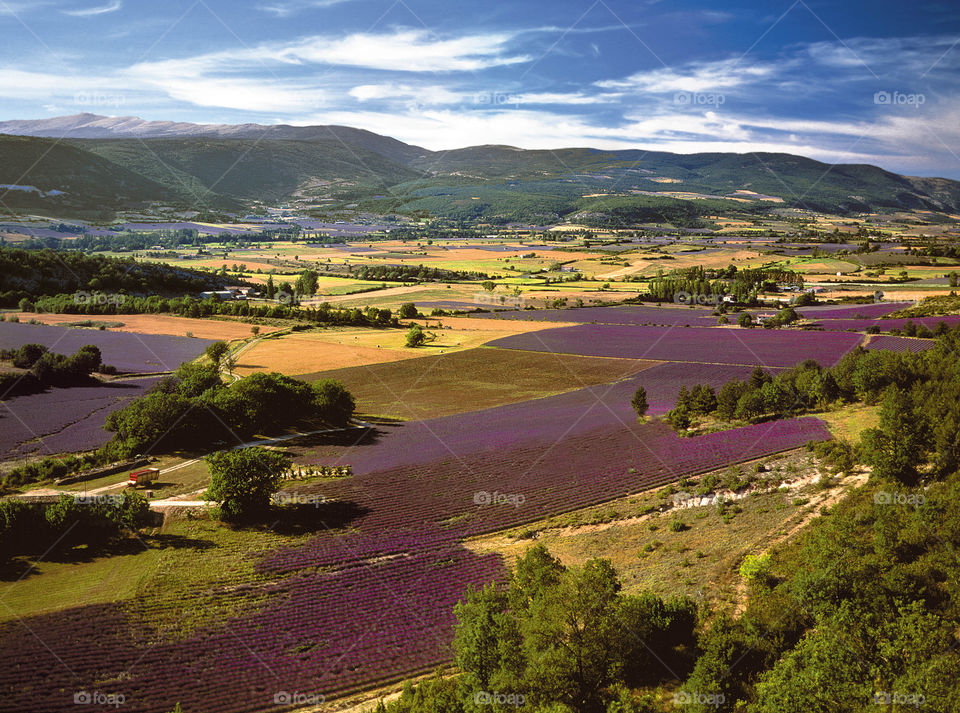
325, 349
770, 348
300, 353
471, 380
215, 329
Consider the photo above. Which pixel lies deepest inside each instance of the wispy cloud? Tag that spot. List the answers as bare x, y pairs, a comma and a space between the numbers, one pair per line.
97, 10
402, 50
699, 76
291, 7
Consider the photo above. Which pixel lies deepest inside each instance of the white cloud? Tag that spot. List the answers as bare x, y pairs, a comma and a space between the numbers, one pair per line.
697, 77
405, 51
97, 10
565, 98
285, 9
431, 95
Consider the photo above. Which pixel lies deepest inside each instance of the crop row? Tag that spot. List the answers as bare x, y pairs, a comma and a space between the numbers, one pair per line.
900, 344
493, 490
63, 420
769, 348
317, 635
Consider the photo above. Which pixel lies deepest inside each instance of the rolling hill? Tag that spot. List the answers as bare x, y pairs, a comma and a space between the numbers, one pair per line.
89, 163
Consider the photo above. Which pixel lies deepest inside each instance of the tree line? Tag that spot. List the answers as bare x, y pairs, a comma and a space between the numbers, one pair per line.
32, 273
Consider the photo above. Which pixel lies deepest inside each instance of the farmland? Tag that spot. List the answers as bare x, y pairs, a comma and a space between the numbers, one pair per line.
510, 425
63, 420
326, 349
708, 346
206, 329
128, 352
471, 380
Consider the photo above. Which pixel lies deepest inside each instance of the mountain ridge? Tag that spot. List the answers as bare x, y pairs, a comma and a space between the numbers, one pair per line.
230, 166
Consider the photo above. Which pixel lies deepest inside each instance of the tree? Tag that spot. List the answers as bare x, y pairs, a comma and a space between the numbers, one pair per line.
335, 405
156, 420
639, 402
271, 290
28, 355
255, 330
750, 405
678, 418
572, 639
416, 337
216, 352
898, 445
307, 283
408, 310
777, 397
758, 377
478, 633
744, 320
728, 397
243, 481
488, 285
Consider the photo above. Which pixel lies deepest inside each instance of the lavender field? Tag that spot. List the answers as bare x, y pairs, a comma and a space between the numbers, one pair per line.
345, 611
542, 420
900, 344
768, 348
63, 420
885, 325
128, 352
621, 314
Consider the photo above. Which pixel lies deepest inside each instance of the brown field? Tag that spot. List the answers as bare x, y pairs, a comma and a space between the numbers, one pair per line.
158, 324
470, 380
325, 349
251, 265
388, 292
738, 256
301, 353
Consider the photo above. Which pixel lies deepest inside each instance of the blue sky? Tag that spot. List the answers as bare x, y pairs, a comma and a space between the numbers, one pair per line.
862, 82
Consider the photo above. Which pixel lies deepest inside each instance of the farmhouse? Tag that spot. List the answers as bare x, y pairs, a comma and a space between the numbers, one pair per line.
222, 294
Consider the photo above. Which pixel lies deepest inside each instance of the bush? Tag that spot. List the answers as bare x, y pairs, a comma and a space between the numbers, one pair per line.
243, 481
408, 310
